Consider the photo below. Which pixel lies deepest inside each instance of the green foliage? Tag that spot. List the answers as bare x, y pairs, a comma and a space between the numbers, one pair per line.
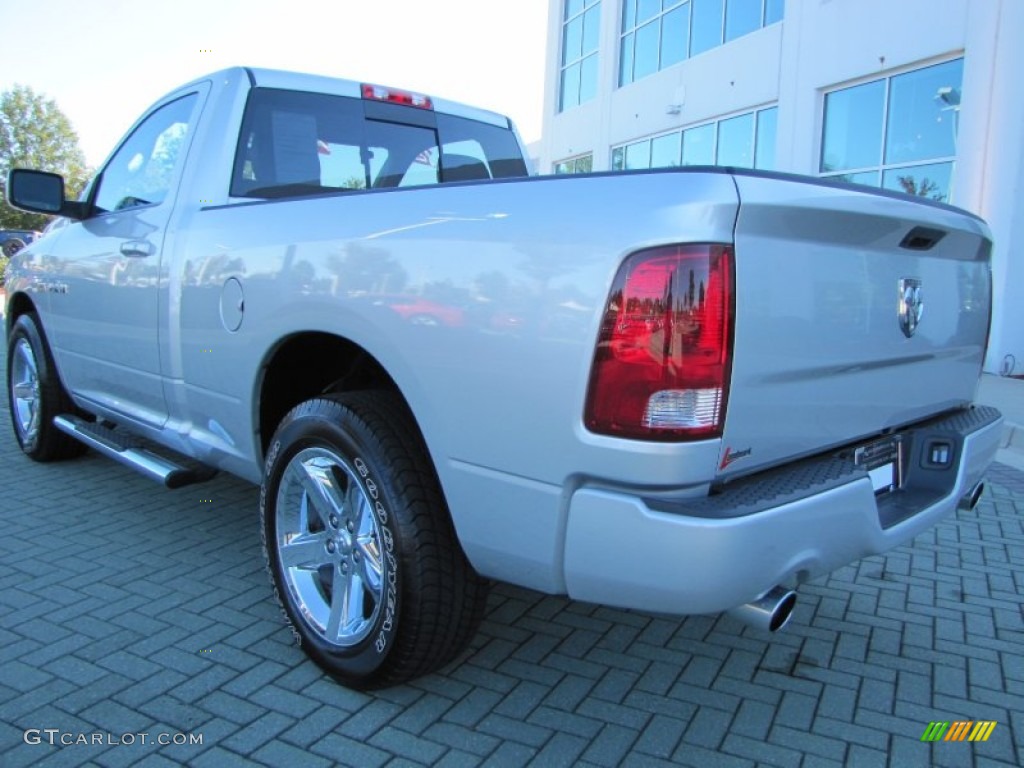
925, 188
34, 133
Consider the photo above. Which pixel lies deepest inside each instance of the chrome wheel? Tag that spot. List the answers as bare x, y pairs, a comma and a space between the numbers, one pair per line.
359, 543
328, 542
25, 395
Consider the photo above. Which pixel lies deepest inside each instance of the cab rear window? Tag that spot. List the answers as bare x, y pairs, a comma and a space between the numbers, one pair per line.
294, 143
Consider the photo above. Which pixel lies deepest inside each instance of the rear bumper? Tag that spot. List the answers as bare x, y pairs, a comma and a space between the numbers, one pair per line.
796, 523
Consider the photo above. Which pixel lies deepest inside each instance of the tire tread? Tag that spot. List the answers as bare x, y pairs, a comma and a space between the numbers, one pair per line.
443, 599
52, 445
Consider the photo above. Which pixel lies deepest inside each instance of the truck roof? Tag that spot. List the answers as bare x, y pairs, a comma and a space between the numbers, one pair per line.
301, 81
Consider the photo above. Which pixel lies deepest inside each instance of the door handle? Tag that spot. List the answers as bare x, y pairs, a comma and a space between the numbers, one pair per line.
136, 248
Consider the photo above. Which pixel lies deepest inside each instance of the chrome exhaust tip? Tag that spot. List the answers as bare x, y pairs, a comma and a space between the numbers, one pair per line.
770, 612
970, 499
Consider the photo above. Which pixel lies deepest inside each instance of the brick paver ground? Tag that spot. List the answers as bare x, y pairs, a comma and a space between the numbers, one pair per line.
128, 609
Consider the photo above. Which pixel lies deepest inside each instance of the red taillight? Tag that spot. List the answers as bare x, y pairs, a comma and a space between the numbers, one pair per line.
661, 368
395, 96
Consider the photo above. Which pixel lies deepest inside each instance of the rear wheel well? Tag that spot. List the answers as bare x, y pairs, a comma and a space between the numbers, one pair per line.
311, 364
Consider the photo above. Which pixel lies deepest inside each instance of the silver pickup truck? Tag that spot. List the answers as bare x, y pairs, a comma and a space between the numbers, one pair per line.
684, 390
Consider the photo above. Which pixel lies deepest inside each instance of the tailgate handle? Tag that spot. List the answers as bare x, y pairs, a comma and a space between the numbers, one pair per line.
922, 238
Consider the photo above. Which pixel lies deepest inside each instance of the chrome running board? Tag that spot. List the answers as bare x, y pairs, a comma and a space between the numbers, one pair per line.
124, 449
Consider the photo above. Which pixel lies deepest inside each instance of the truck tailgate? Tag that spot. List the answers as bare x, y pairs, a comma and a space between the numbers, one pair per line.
829, 348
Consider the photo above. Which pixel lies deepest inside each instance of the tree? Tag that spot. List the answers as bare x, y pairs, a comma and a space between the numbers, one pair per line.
34, 133
926, 187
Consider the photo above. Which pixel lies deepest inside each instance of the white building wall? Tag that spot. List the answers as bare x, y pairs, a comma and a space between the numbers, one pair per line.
731, 78
830, 44
819, 46
991, 153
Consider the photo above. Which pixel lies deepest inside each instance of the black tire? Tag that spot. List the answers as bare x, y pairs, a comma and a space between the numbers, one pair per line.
35, 394
351, 501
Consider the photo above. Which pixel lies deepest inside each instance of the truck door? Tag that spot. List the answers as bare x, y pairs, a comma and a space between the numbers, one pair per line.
104, 319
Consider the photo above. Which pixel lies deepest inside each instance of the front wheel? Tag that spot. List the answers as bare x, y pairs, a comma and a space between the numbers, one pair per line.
35, 394
359, 543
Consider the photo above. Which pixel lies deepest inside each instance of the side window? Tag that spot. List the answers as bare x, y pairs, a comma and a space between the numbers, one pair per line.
141, 171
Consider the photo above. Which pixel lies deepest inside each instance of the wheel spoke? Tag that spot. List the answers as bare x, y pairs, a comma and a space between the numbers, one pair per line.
319, 483
304, 551
24, 383
25, 391
354, 604
26, 358
371, 568
338, 597
346, 607
355, 502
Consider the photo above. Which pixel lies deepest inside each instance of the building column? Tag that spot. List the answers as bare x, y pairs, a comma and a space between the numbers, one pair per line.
990, 168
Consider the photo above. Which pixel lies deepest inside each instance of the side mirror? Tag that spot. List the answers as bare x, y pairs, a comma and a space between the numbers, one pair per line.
41, 192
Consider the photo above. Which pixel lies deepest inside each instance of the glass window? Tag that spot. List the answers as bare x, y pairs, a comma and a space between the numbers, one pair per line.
923, 110
853, 127
665, 150
767, 132
706, 27
675, 43
743, 141
572, 7
342, 167
742, 17
869, 178
656, 34
296, 143
645, 59
626, 60
571, 86
496, 147
638, 156
142, 170
580, 39
572, 39
406, 155
619, 159
898, 132
628, 14
647, 9
736, 141
932, 181
591, 27
699, 145
581, 164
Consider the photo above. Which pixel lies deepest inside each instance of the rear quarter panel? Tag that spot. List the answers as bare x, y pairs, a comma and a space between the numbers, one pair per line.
520, 271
